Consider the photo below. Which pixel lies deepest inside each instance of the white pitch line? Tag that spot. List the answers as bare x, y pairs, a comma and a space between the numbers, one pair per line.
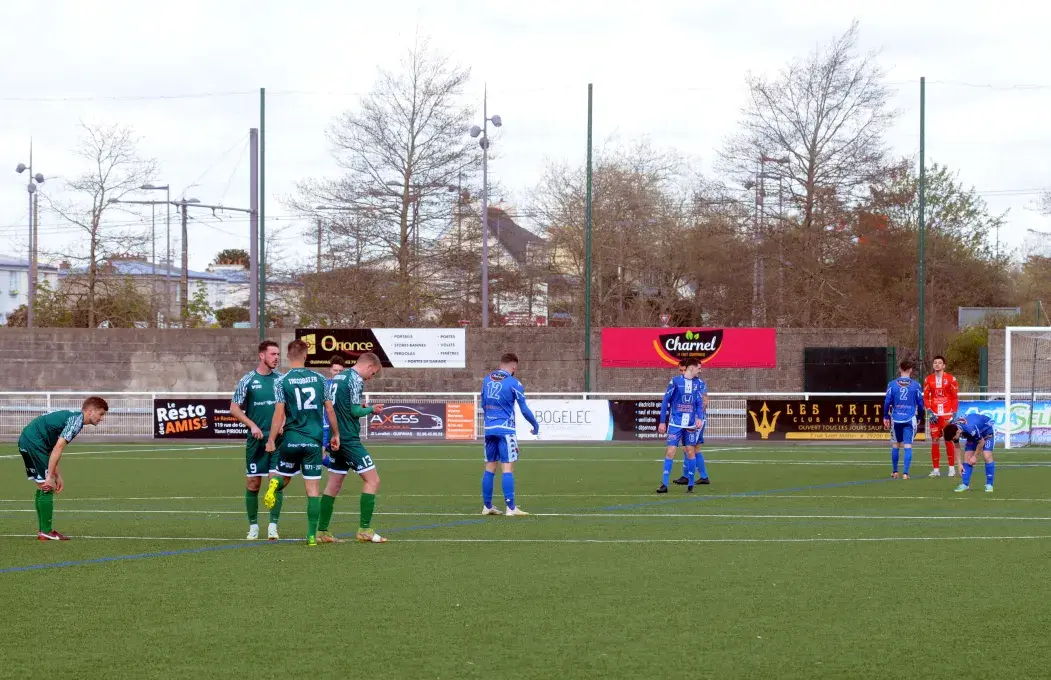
881, 539
145, 449
144, 538
611, 514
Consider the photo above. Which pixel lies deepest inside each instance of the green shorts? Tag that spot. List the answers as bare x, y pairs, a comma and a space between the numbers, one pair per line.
299, 454
259, 462
351, 456
36, 461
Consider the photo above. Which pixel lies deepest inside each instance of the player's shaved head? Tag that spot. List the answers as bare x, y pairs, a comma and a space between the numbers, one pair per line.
297, 350
368, 365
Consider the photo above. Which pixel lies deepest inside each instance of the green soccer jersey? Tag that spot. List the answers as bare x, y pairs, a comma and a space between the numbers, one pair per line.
302, 391
44, 431
255, 395
345, 392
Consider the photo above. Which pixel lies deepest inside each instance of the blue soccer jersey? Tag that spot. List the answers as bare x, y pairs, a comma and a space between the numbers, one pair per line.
683, 404
500, 392
975, 427
904, 400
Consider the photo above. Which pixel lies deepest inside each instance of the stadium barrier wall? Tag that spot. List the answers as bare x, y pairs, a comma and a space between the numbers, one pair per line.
133, 414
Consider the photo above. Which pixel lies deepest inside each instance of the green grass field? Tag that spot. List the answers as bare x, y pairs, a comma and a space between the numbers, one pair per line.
797, 562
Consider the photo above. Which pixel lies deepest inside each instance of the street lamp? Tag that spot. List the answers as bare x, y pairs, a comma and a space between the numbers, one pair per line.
475, 131
31, 187
168, 249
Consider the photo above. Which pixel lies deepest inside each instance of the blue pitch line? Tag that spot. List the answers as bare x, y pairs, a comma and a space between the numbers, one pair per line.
744, 494
212, 548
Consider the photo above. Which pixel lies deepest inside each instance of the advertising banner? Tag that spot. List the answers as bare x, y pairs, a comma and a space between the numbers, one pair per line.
195, 419
415, 421
460, 420
396, 347
569, 420
635, 419
665, 347
818, 418
1023, 417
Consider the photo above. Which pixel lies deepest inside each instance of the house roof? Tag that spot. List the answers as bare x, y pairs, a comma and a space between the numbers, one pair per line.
43, 266
242, 276
140, 268
513, 237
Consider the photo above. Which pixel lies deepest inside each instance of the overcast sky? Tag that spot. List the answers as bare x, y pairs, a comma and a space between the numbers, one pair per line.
186, 77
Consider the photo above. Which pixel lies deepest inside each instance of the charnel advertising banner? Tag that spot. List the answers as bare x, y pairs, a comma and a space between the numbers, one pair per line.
665, 347
396, 347
195, 419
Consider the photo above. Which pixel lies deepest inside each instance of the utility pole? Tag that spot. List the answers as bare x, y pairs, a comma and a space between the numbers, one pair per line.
923, 223
253, 227
184, 284
319, 245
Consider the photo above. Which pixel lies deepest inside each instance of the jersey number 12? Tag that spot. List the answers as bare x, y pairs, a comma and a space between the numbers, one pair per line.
306, 403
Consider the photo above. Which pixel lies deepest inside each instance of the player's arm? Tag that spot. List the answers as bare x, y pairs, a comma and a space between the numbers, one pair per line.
887, 402
276, 425
954, 395
919, 404
237, 412
53, 475
669, 394
526, 412
333, 426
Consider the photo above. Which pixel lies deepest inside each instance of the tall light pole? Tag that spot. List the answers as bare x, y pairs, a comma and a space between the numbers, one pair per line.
760, 205
31, 187
168, 251
484, 143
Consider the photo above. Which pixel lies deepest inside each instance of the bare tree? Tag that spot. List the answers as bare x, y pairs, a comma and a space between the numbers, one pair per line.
116, 169
401, 150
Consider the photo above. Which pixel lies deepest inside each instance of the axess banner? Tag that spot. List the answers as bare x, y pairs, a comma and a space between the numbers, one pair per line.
665, 347
195, 419
396, 347
817, 418
423, 421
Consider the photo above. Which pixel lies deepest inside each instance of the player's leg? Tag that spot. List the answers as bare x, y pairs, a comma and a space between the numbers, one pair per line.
908, 434
279, 495
690, 463
895, 450
492, 459
990, 465
370, 487
337, 474
257, 467
43, 499
685, 478
970, 457
311, 466
508, 456
950, 449
702, 469
934, 431
671, 445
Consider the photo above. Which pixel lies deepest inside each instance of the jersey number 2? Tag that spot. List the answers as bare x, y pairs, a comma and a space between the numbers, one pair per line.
306, 403
902, 391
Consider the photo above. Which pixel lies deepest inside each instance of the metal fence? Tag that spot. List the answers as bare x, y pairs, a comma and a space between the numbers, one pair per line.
131, 413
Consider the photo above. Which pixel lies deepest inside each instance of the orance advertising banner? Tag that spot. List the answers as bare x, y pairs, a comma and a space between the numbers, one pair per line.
396, 347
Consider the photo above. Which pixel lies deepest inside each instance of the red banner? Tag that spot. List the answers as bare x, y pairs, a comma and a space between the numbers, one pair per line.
665, 347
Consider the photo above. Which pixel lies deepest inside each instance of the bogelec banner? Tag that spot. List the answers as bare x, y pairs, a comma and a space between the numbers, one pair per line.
666, 347
396, 347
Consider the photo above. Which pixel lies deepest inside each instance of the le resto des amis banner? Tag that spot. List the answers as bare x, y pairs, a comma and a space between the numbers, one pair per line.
665, 347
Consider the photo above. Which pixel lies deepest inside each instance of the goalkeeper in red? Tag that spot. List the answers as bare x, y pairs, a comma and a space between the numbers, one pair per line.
41, 445
941, 395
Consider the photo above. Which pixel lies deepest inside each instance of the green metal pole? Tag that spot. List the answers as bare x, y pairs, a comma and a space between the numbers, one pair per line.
587, 260
262, 213
923, 224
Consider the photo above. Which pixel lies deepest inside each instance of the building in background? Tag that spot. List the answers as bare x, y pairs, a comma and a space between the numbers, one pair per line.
14, 283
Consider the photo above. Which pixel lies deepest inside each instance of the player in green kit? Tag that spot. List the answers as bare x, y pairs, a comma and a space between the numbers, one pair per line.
300, 396
253, 404
41, 445
345, 394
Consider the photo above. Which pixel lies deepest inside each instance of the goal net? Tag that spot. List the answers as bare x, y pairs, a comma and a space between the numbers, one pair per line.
1027, 387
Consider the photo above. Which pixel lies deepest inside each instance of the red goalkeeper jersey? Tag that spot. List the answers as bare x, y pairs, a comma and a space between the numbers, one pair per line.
941, 394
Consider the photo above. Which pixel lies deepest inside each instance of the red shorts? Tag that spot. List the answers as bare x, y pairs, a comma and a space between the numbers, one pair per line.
937, 424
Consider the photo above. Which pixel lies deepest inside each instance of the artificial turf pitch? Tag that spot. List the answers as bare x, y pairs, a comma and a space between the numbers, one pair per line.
796, 562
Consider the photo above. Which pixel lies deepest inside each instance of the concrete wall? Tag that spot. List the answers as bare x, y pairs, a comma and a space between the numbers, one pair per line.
212, 360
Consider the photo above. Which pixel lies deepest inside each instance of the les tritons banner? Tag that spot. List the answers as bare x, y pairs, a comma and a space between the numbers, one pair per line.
817, 418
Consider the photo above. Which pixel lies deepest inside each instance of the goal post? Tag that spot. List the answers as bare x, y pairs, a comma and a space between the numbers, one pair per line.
1027, 385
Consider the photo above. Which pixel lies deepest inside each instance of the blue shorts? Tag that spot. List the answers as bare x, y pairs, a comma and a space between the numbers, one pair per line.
903, 433
678, 436
502, 448
972, 444
324, 438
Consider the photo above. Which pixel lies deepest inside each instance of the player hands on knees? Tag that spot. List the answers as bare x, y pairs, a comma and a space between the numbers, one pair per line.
978, 433
901, 407
41, 444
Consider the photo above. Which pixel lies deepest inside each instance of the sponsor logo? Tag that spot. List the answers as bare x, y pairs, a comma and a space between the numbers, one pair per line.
701, 345
394, 420
765, 426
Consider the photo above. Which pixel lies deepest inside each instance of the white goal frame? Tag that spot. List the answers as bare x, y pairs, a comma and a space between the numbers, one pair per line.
1007, 369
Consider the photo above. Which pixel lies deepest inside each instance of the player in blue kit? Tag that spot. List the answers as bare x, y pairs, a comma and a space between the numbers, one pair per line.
682, 418
978, 433
501, 390
904, 401
702, 469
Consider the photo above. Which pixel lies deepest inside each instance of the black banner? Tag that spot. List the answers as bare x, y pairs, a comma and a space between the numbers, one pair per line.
414, 421
635, 419
817, 418
349, 343
195, 419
